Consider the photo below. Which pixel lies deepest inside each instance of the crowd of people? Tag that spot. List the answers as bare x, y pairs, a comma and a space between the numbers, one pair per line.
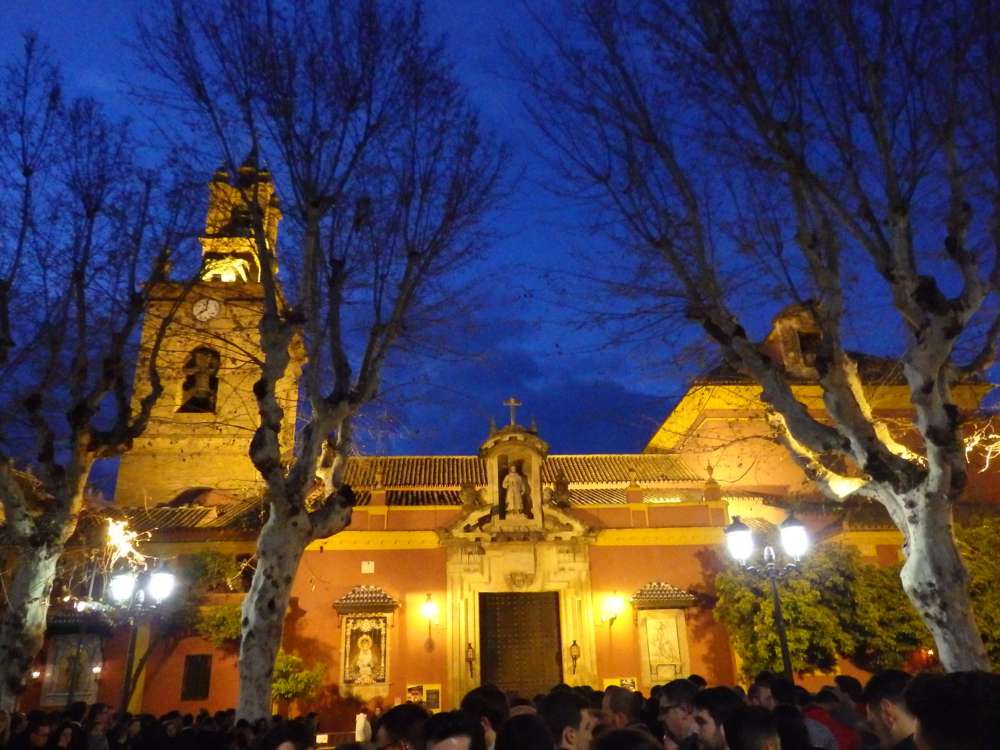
95, 727
893, 711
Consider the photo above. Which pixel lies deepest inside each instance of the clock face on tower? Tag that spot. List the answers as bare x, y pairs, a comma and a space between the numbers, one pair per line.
206, 308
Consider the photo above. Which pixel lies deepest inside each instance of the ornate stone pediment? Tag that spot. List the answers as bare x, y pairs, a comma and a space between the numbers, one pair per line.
483, 524
520, 579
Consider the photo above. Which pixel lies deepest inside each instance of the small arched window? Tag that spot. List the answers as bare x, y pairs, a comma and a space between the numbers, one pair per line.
201, 381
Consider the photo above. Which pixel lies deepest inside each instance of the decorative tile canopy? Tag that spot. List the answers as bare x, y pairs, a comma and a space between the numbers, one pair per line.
660, 595
365, 599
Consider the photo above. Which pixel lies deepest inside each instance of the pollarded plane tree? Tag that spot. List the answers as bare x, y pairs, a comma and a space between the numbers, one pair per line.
385, 177
83, 230
842, 156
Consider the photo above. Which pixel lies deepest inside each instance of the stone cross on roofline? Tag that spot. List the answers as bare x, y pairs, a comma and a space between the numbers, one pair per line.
512, 403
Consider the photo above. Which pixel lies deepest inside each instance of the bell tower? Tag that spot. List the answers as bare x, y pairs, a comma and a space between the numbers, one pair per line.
199, 432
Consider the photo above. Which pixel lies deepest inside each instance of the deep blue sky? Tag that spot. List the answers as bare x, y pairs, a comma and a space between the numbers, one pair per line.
588, 394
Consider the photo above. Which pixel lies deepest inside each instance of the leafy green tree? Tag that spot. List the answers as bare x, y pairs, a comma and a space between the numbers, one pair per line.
219, 624
977, 543
885, 627
835, 605
293, 681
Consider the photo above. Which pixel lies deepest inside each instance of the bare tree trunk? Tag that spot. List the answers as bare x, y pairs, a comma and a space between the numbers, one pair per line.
279, 550
22, 625
936, 581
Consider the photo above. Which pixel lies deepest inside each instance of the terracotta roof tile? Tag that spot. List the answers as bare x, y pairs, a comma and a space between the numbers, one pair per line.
660, 595
649, 468
365, 599
399, 498
429, 472
610, 496
151, 519
416, 471
241, 514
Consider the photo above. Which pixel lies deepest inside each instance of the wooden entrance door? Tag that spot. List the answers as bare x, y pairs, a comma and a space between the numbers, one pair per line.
519, 641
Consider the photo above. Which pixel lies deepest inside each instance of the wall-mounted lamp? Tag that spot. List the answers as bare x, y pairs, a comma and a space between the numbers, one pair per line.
614, 605
36, 674
97, 669
470, 659
574, 654
429, 610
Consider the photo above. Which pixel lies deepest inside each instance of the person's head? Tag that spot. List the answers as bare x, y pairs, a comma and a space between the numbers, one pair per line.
76, 711
712, 708
626, 739
487, 705
849, 686
783, 691
760, 694
827, 698
38, 733
752, 728
802, 697
290, 735
526, 731
791, 728
401, 728
888, 715
569, 719
620, 705
955, 711
99, 715
18, 722
521, 706
676, 713
63, 736
454, 730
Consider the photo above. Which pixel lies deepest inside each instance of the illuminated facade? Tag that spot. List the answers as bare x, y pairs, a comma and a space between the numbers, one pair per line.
508, 564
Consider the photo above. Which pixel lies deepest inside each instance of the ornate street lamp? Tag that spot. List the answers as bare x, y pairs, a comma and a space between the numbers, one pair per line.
795, 543
135, 593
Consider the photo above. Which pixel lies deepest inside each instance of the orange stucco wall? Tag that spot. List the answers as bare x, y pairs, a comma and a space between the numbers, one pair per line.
313, 627
623, 570
165, 675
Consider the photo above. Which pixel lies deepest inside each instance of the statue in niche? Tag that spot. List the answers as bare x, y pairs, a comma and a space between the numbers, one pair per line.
517, 496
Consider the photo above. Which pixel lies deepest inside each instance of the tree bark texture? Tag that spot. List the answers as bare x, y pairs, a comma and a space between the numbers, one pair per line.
279, 550
936, 582
22, 624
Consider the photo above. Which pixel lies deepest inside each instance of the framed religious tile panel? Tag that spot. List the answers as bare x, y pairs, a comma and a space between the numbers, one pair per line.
365, 650
69, 670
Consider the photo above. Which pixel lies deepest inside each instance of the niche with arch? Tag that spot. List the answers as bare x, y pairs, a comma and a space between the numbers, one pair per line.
201, 382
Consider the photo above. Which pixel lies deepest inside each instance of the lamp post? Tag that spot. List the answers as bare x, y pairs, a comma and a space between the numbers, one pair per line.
795, 542
135, 593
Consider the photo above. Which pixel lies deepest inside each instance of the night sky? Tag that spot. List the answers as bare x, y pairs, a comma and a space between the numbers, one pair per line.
588, 392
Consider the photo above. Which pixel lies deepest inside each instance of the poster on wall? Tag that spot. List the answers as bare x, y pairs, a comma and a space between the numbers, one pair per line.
365, 652
428, 694
69, 669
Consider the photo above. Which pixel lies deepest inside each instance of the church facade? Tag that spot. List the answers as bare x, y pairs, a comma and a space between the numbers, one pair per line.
509, 564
